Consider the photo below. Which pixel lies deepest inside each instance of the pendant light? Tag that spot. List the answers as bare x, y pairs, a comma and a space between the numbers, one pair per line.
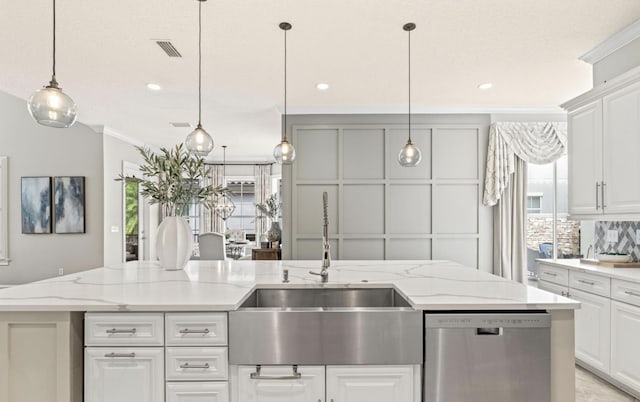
50, 106
224, 206
284, 152
199, 142
409, 155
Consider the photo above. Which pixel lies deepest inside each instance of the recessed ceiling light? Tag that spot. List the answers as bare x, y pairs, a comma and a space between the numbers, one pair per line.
485, 86
153, 87
323, 86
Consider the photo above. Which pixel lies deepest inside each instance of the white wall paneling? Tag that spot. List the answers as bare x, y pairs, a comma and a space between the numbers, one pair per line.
378, 209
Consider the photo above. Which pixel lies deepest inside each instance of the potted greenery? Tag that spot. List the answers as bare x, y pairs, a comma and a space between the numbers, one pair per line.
172, 179
270, 209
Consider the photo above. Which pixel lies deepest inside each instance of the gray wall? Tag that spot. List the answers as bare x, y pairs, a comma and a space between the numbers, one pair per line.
378, 210
35, 150
618, 62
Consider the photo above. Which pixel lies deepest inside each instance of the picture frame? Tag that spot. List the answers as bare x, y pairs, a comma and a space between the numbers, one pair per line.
69, 204
35, 204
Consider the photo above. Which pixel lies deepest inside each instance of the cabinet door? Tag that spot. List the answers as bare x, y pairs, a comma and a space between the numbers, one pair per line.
124, 375
625, 354
553, 288
621, 113
593, 329
309, 388
585, 158
371, 383
197, 392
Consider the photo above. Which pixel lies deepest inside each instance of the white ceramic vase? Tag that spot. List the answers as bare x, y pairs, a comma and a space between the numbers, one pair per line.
174, 243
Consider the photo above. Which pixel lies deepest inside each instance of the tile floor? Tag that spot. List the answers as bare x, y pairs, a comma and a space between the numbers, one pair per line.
590, 388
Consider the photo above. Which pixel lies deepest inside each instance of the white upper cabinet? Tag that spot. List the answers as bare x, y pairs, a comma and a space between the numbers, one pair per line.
621, 115
604, 138
585, 159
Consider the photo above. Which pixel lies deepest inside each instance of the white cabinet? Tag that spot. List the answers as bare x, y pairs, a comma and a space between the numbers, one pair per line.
310, 387
621, 121
124, 374
625, 354
197, 392
593, 329
553, 288
585, 158
371, 383
604, 136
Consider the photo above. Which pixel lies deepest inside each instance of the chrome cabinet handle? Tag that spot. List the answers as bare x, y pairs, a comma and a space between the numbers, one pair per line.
604, 204
258, 376
597, 194
121, 331
550, 273
194, 331
632, 293
586, 282
132, 354
194, 366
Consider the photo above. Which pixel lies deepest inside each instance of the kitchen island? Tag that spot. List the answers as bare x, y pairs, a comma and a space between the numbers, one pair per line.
57, 306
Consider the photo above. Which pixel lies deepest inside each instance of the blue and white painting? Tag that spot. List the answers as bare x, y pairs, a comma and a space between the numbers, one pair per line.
68, 202
36, 205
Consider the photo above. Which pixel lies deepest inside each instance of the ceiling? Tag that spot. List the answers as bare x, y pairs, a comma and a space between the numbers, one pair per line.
106, 55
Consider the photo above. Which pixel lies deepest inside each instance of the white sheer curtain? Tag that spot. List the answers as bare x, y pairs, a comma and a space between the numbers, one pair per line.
210, 221
262, 192
511, 147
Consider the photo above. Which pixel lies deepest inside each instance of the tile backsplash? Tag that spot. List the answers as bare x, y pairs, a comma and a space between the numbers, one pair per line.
626, 238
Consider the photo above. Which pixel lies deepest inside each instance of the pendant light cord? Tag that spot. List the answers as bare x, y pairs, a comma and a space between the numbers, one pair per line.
53, 77
199, 63
409, 86
284, 129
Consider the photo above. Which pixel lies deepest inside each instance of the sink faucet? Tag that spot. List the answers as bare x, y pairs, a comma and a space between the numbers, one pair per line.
326, 256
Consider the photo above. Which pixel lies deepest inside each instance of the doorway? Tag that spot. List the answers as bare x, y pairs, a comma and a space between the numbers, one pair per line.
133, 216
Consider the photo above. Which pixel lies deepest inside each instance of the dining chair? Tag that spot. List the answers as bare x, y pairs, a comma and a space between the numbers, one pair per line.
211, 246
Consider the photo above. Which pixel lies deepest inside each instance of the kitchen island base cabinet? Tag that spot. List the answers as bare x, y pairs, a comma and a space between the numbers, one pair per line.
372, 383
197, 392
625, 354
124, 374
40, 357
309, 388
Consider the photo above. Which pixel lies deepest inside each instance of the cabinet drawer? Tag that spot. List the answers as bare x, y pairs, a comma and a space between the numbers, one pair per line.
624, 291
553, 288
196, 329
196, 364
197, 392
590, 283
131, 329
557, 275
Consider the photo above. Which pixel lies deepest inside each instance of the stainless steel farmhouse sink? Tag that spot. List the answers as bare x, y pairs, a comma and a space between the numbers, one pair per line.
325, 326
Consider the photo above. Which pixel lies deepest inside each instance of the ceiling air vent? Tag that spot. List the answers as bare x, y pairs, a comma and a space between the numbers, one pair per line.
181, 125
168, 48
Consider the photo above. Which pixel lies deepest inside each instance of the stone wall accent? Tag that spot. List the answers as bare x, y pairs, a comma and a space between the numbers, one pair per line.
540, 230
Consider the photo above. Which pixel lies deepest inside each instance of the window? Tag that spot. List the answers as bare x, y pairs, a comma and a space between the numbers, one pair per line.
243, 197
533, 203
4, 212
193, 217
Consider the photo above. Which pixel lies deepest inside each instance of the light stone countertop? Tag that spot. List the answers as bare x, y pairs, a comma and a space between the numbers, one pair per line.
627, 274
224, 285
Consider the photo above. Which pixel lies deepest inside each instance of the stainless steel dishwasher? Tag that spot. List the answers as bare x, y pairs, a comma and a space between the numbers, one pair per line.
487, 357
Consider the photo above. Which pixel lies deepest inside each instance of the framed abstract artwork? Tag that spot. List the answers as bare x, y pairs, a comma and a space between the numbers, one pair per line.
68, 204
36, 205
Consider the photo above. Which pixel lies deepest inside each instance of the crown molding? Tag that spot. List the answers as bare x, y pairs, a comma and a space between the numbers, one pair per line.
628, 78
614, 42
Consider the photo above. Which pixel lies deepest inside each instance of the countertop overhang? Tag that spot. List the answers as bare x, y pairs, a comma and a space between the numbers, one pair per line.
224, 285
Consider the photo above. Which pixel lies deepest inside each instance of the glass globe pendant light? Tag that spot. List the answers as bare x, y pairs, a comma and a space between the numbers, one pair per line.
284, 153
224, 206
199, 142
50, 106
409, 155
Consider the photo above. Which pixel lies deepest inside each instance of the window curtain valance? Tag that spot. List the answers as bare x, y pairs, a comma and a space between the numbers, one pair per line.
538, 143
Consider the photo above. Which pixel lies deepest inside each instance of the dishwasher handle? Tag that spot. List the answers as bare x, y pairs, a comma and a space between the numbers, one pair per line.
489, 331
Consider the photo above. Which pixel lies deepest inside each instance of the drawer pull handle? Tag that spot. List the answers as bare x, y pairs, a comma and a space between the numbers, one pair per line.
550, 273
121, 331
194, 331
258, 376
632, 293
586, 282
131, 355
194, 366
